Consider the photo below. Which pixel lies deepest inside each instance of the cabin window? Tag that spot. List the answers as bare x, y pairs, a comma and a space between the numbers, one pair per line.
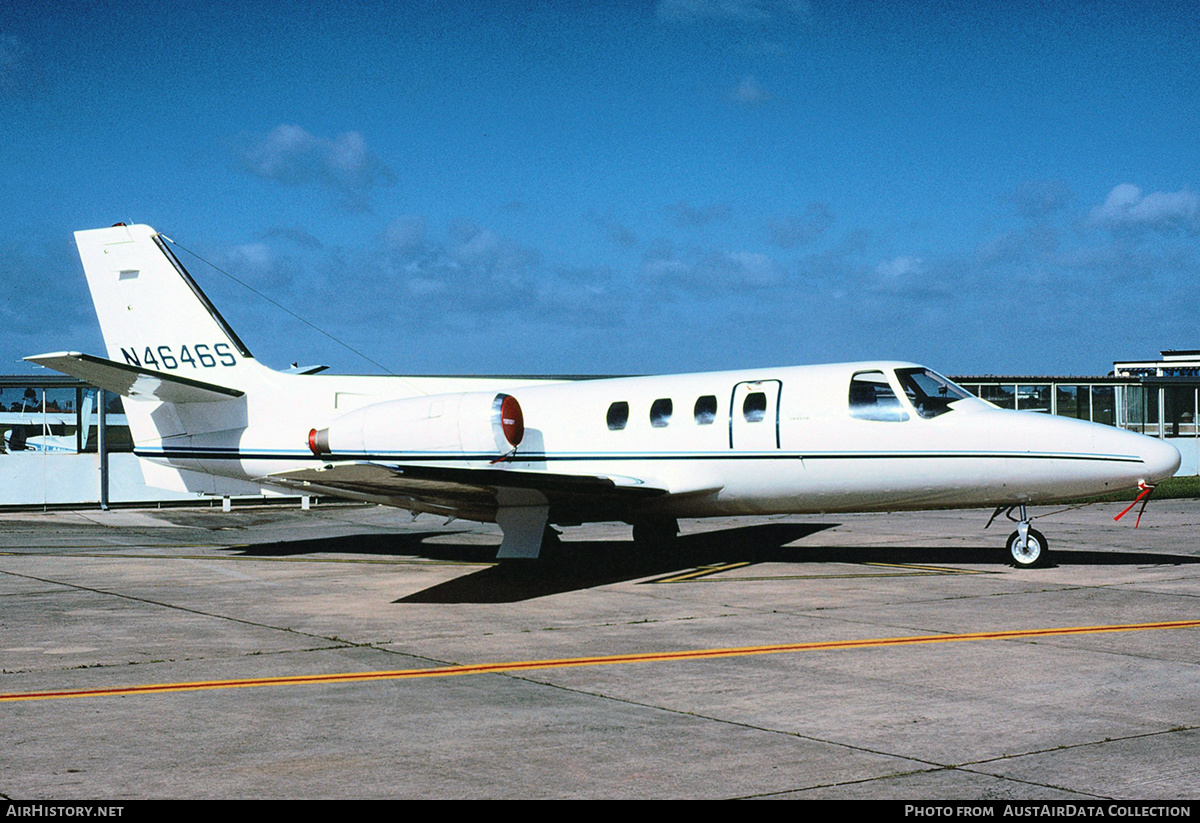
660, 412
618, 415
705, 410
872, 398
754, 407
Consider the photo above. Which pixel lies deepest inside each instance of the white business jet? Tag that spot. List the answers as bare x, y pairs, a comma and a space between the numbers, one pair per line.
528, 453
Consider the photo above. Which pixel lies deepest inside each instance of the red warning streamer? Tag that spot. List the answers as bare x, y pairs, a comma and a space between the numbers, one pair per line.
1144, 497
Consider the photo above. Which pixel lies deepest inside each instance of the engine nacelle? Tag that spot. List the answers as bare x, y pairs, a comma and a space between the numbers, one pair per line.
482, 423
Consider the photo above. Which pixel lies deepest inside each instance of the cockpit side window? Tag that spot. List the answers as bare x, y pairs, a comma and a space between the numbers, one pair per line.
929, 392
872, 398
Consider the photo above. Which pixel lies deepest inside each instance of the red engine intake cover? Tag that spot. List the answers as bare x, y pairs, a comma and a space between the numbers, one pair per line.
512, 421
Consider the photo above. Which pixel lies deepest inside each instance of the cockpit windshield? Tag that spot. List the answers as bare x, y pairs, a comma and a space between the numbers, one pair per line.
929, 392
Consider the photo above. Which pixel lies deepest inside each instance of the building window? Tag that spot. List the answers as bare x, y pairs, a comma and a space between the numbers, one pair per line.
1104, 405
1035, 398
1179, 411
1141, 409
1073, 401
1004, 396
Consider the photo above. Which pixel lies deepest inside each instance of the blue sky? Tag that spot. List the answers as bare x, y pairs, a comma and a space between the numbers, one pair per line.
630, 187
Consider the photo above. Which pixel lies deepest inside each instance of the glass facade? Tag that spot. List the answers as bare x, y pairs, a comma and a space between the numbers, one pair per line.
1034, 397
1004, 396
1104, 405
58, 419
1140, 409
1073, 401
1154, 407
1179, 411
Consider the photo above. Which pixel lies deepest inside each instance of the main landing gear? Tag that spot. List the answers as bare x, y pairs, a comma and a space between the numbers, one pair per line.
657, 535
1027, 547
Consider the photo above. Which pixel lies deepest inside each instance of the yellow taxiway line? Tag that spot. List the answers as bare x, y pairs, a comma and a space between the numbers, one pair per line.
704, 573
607, 660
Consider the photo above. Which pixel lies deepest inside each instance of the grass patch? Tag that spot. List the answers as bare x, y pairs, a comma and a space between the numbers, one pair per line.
1171, 488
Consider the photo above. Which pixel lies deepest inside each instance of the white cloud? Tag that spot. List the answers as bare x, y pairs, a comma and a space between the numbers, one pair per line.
420, 286
1127, 207
16, 65
797, 229
688, 215
746, 268
756, 28
738, 11
261, 265
1037, 199
716, 271
657, 266
899, 267
253, 255
298, 237
480, 249
750, 93
293, 157
406, 232
618, 233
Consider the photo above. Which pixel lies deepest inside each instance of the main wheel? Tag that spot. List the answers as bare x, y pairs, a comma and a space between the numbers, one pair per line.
1032, 554
551, 545
656, 535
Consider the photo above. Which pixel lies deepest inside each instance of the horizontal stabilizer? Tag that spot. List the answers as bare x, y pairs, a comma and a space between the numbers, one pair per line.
134, 381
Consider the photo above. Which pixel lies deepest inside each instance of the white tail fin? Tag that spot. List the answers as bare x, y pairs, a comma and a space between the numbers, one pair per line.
181, 368
153, 315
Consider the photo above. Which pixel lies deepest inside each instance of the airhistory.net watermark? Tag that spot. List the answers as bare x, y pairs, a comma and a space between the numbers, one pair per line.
54, 810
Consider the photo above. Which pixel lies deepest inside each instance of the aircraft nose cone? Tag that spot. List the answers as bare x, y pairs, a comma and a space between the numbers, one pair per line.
1161, 458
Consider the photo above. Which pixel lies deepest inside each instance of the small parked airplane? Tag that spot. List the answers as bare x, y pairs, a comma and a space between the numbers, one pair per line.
19, 440
527, 453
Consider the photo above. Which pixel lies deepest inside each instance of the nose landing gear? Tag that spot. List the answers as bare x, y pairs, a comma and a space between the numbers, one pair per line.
1027, 547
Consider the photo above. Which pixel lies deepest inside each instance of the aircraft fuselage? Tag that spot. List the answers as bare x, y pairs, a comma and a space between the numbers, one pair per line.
774, 440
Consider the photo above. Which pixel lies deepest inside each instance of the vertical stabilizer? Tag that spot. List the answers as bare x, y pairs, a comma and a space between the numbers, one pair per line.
153, 315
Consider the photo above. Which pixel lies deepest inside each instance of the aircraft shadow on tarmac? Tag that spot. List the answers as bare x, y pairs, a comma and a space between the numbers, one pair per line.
581, 565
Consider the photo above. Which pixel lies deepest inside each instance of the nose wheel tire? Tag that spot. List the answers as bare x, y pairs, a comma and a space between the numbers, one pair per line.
1030, 555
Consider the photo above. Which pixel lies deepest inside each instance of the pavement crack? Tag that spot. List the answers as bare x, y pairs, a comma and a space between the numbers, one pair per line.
727, 722
186, 609
1069, 746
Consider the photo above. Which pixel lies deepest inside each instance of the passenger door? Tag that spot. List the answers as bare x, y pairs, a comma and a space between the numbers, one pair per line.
754, 415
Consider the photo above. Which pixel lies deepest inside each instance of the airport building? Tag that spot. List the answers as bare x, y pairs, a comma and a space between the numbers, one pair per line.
66, 443
1173, 363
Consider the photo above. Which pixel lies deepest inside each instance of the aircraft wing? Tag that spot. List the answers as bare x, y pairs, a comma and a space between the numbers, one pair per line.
133, 381
469, 493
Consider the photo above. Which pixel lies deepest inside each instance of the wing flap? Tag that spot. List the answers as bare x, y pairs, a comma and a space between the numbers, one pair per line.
466, 491
134, 381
